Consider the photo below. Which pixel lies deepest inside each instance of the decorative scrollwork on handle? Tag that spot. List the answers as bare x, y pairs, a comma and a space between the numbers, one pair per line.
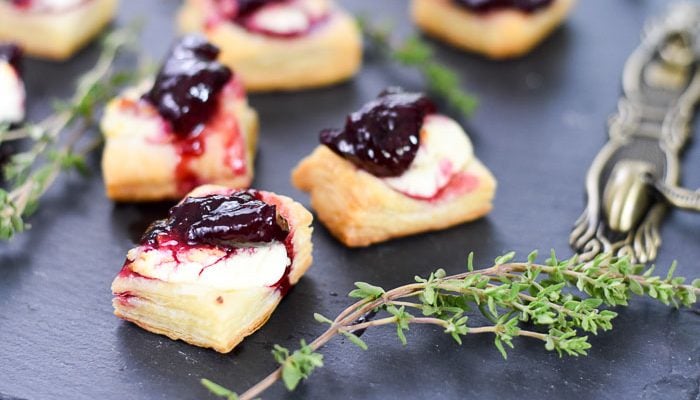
679, 197
636, 175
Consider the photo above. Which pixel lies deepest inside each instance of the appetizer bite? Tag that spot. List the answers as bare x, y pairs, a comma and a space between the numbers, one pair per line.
53, 29
279, 44
192, 126
495, 28
12, 93
395, 169
215, 269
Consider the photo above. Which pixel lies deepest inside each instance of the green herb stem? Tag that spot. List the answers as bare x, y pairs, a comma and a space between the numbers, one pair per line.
32, 172
416, 53
508, 294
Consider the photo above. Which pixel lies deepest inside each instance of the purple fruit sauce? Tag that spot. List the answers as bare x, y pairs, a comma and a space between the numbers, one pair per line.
484, 6
186, 89
218, 220
384, 135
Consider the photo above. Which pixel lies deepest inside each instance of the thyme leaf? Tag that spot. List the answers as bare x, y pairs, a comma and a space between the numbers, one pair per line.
416, 53
219, 390
53, 142
512, 295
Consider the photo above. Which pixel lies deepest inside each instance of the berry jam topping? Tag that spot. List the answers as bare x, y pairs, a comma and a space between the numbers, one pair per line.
21, 3
276, 18
46, 5
186, 88
384, 135
11, 54
248, 7
490, 5
218, 220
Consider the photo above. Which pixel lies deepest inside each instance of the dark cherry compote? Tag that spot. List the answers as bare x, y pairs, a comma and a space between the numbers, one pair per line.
527, 6
384, 135
245, 12
218, 220
246, 8
186, 88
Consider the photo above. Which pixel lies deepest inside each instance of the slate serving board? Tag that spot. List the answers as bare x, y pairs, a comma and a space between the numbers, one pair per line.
540, 122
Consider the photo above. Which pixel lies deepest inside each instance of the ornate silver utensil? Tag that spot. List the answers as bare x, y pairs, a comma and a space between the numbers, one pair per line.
636, 175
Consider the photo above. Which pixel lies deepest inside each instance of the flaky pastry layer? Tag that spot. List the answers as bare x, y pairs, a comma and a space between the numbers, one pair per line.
496, 34
206, 316
136, 167
201, 317
330, 53
55, 34
360, 209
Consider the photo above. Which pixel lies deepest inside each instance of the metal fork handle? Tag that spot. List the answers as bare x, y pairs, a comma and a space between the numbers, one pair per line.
678, 197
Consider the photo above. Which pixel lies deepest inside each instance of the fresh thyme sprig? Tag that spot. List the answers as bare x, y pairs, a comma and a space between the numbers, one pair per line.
415, 52
30, 173
509, 294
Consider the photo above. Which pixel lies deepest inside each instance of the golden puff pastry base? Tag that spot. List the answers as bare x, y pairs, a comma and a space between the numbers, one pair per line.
497, 34
359, 209
135, 168
209, 325
55, 35
330, 54
205, 316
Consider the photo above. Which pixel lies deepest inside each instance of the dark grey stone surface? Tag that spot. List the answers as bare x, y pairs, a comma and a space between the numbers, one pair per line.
540, 123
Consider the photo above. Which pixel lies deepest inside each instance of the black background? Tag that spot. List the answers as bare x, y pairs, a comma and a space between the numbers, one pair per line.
540, 122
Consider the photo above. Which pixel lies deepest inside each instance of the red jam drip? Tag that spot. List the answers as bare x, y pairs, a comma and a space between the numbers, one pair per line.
235, 152
188, 149
11, 54
192, 147
186, 93
283, 285
384, 135
242, 13
23, 4
186, 89
125, 298
483, 6
459, 184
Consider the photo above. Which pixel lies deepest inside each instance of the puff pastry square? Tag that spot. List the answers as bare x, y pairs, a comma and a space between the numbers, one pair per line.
143, 162
178, 294
54, 32
397, 168
360, 209
501, 33
192, 127
328, 53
